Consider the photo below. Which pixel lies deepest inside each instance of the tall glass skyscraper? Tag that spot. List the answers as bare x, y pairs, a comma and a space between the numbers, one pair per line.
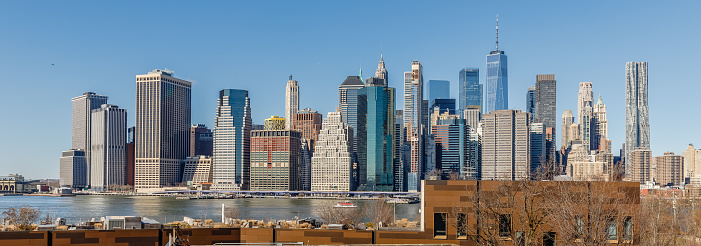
530, 101
377, 152
232, 141
497, 79
470, 93
637, 116
413, 108
438, 89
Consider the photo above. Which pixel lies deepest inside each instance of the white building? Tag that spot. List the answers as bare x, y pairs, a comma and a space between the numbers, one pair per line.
198, 169
291, 102
692, 162
637, 117
232, 141
82, 107
505, 145
331, 163
108, 158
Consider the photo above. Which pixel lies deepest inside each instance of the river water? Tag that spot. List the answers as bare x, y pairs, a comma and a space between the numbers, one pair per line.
86, 207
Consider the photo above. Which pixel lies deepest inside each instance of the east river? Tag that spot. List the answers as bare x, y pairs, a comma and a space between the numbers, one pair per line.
168, 209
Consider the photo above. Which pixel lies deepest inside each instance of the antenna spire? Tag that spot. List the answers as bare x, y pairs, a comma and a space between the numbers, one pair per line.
290, 76
497, 31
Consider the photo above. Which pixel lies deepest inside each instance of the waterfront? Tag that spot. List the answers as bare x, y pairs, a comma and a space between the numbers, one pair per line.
162, 209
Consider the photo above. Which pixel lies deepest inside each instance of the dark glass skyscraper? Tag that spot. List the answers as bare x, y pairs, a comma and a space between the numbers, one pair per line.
530, 100
470, 92
438, 89
497, 79
545, 98
377, 131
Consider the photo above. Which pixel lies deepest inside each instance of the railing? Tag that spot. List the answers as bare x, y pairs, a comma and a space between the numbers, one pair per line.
259, 244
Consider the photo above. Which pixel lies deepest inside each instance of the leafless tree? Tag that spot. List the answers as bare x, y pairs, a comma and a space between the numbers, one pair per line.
454, 176
434, 174
22, 217
230, 214
590, 213
379, 211
330, 214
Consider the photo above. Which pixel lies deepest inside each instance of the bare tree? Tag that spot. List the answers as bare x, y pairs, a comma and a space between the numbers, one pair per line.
230, 214
590, 213
22, 217
454, 176
379, 212
330, 214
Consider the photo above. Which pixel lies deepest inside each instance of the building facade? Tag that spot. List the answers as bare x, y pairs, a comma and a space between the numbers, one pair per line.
348, 103
546, 100
276, 160
308, 122
381, 72
497, 79
670, 169
108, 158
505, 145
291, 102
413, 112
530, 101
538, 146
198, 170
692, 162
201, 140
73, 169
453, 155
162, 128
81, 123
376, 149
600, 127
470, 89
274, 123
232, 141
639, 163
567, 121
438, 89
331, 164
637, 116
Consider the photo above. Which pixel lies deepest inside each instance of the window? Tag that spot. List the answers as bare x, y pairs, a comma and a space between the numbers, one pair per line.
627, 233
439, 228
549, 239
578, 227
462, 225
611, 229
504, 225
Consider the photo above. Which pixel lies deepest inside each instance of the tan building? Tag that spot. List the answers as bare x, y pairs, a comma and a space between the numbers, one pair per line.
308, 122
692, 162
198, 169
640, 165
670, 169
505, 145
581, 167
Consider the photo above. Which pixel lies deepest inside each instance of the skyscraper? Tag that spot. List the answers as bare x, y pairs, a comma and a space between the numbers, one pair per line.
505, 145
472, 116
497, 79
232, 141
470, 89
308, 122
637, 117
399, 145
530, 101
331, 163
162, 128
538, 146
348, 103
438, 89
546, 100
638, 165
381, 72
600, 127
108, 158
377, 154
413, 111
82, 108
291, 102
692, 161
452, 138
275, 160
584, 99
567, 121
670, 169
73, 169
201, 140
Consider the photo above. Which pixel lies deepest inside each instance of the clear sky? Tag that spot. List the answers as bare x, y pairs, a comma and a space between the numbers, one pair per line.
51, 51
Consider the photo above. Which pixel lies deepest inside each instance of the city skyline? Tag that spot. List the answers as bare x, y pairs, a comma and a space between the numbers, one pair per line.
608, 75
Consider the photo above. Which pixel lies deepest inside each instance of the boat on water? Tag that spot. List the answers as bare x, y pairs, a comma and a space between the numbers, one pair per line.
345, 204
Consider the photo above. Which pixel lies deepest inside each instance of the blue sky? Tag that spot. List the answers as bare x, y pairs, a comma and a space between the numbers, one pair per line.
101, 45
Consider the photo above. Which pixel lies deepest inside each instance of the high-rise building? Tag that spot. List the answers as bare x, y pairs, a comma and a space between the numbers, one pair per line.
399, 145
331, 163
413, 112
232, 141
444, 105
308, 122
538, 148
585, 125
201, 140
530, 101
131, 156
505, 145
639, 164
452, 137
291, 102
585, 99
470, 92
305, 182
376, 149
497, 79
581, 167
438, 89
567, 121
348, 103
198, 170
275, 160
73, 169
692, 162
472, 115
162, 128
108, 158
381, 72
637, 117
670, 169
82, 108
546, 100
599, 129
274, 123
